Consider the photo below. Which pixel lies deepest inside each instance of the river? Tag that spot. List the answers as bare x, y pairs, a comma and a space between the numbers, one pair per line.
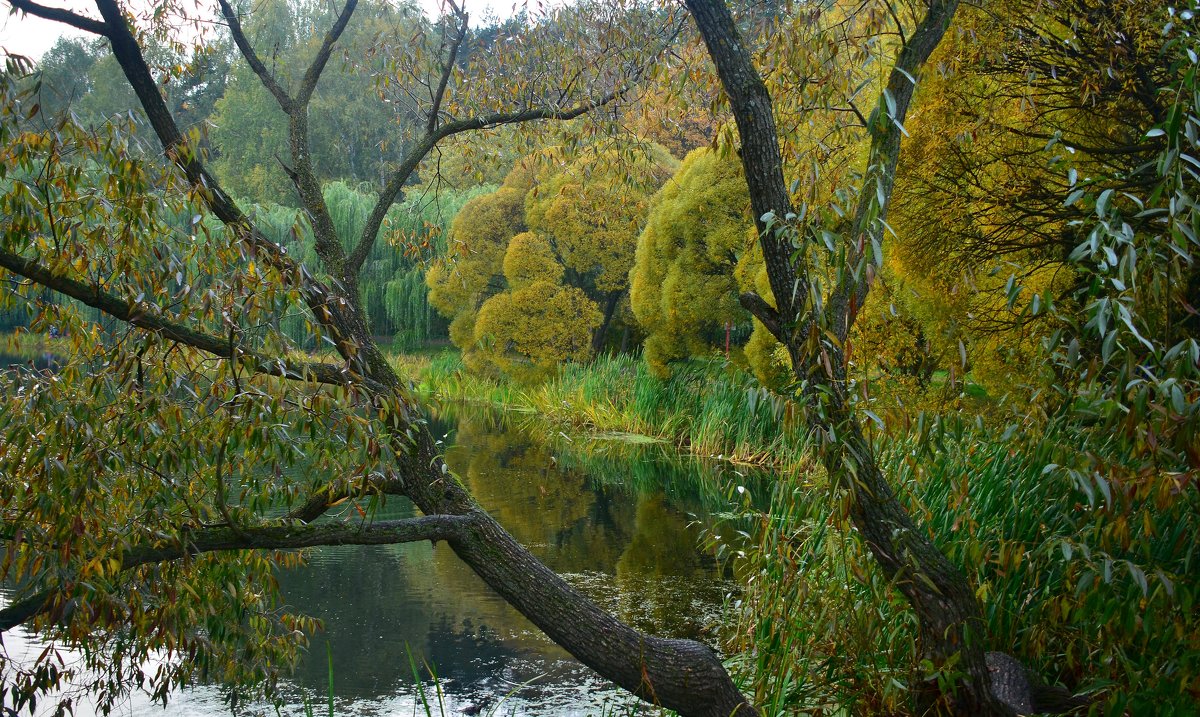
622, 523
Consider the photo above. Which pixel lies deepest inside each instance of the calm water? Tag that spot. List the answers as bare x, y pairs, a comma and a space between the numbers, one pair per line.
622, 527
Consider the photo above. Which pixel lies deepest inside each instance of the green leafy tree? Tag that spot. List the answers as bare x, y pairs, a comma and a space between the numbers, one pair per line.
352, 140
394, 291
65, 74
252, 134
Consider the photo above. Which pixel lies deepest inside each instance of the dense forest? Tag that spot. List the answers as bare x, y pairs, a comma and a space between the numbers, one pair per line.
929, 267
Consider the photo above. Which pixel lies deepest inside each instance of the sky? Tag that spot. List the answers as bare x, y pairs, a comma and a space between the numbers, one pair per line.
31, 36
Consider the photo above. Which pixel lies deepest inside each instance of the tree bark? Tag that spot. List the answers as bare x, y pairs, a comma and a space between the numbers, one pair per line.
950, 620
600, 335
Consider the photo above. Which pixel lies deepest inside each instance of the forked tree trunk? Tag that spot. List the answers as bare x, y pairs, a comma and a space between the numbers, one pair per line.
950, 621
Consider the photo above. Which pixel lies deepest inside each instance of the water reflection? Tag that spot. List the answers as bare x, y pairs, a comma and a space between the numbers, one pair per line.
634, 549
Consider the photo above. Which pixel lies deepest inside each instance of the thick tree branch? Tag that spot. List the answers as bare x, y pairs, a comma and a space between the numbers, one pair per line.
243, 44
66, 17
447, 67
295, 537
413, 158
681, 675
760, 149
328, 245
886, 135
764, 312
289, 536
321, 500
25, 609
146, 316
309, 84
129, 56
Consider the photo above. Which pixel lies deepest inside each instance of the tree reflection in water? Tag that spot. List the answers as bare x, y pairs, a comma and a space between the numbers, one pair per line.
618, 537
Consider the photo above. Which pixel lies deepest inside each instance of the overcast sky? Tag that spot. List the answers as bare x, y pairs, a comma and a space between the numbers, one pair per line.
31, 36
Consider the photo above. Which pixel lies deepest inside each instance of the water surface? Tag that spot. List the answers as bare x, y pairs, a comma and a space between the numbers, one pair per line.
622, 525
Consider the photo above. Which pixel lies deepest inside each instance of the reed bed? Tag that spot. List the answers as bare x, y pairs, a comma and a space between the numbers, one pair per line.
1084, 559
707, 407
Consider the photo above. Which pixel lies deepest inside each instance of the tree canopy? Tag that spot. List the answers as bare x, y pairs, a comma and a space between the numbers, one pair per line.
557, 234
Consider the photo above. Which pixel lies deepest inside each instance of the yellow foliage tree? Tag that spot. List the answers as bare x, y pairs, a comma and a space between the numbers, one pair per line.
471, 270
682, 287
979, 212
591, 212
570, 225
698, 252
528, 332
529, 259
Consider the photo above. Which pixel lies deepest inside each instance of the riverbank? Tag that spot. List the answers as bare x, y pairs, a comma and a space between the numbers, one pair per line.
707, 408
1059, 528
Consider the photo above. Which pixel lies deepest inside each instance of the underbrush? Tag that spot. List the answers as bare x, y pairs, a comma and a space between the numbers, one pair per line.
1093, 588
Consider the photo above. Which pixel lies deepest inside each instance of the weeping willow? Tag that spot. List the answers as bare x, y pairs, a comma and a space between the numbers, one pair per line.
392, 279
407, 306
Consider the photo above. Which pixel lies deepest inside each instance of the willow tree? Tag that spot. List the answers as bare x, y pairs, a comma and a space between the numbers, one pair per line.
472, 269
538, 271
1028, 89
683, 287
821, 260
590, 213
143, 483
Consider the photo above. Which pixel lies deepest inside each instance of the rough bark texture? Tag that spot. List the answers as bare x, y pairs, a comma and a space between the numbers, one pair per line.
682, 675
950, 620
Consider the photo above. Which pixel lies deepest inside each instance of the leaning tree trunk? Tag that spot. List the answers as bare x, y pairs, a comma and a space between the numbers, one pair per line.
950, 620
683, 675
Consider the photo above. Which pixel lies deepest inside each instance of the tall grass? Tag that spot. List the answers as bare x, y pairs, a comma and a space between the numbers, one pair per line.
1096, 591
707, 407
1085, 561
